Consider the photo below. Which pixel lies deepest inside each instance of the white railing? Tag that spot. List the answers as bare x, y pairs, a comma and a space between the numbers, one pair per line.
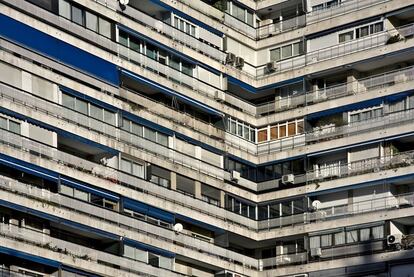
175, 34
78, 251
375, 204
279, 27
166, 71
285, 259
350, 88
340, 9
17, 97
385, 121
323, 54
108, 216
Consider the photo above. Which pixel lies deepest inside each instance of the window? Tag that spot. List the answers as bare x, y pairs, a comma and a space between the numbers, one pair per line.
85, 18
326, 240
86, 108
351, 236
262, 135
133, 168
339, 238
314, 242
365, 114
240, 129
8, 124
184, 26
240, 13
346, 36
286, 51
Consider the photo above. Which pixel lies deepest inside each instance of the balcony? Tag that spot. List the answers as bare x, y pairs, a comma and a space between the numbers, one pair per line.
362, 85
113, 133
187, 242
76, 251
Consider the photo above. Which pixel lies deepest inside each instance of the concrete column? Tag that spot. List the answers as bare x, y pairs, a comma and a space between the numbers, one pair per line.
26, 81
222, 199
197, 189
173, 181
352, 82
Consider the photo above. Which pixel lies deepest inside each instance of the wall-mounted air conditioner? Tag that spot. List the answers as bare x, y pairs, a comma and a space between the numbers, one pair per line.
316, 252
230, 58
235, 176
271, 67
239, 62
394, 239
288, 179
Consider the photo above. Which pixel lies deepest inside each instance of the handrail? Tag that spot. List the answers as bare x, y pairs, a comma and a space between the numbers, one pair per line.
132, 223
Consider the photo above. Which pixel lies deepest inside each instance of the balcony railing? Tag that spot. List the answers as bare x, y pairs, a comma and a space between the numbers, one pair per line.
327, 53
177, 34
340, 9
280, 27
350, 88
19, 97
108, 216
77, 251
330, 213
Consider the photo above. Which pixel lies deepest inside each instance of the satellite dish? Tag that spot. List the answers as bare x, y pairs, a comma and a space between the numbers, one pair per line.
124, 2
316, 205
178, 228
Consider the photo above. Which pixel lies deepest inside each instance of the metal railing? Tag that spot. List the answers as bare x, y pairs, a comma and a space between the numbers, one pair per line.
94, 212
175, 34
280, 27
350, 88
20, 97
330, 213
342, 8
41, 239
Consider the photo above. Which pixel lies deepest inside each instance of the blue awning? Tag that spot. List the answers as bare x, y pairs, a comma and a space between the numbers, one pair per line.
143, 208
88, 188
29, 168
29, 257
148, 248
58, 50
170, 92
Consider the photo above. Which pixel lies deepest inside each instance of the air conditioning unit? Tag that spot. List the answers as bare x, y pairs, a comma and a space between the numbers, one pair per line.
271, 67
219, 96
288, 179
239, 63
316, 252
235, 176
231, 58
394, 239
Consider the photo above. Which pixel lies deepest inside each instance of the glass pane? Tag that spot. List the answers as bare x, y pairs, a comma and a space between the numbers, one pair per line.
104, 27
262, 135
273, 133
378, 232
138, 170
275, 54
134, 44
64, 9
187, 68
153, 260
141, 255
364, 234
150, 134
249, 18
326, 240
82, 106
96, 112
66, 190
346, 36
162, 139
151, 51
246, 132
3, 123
81, 195
364, 31
175, 63
166, 262
291, 129
282, 131
192, 30
109, 117
274, 210
14, 127
286, 51
68, 101
339, 238
123, 38
300, 126
129, 251
126, 124
314, 242
296, 49
91, 21
77, 15
352, 236
136, 129
126, 166
286, 208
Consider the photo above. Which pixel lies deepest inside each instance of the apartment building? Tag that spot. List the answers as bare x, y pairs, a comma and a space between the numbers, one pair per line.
207, 138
